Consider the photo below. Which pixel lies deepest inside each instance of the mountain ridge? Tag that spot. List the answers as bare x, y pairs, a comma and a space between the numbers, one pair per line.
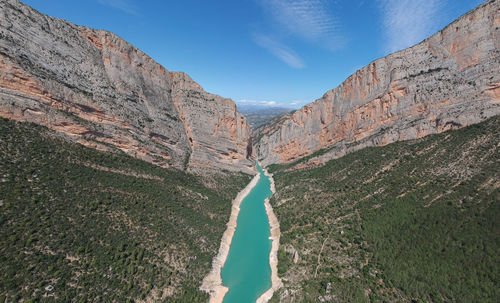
449, 80
102, 92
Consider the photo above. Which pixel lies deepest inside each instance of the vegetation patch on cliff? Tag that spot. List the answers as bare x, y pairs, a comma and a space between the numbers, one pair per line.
413, 221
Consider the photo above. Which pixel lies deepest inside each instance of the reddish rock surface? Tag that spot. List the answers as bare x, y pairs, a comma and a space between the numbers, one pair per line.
100, 91
450, 80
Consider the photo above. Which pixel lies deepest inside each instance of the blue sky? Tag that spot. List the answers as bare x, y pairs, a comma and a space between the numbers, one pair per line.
276, 52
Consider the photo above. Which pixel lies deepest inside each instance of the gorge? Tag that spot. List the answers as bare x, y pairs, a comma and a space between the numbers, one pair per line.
123, 181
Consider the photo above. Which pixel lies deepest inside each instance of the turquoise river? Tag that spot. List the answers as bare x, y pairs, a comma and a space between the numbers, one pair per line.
247, 272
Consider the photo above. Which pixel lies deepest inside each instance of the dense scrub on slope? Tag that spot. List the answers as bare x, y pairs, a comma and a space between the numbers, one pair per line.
81, 225
412, 221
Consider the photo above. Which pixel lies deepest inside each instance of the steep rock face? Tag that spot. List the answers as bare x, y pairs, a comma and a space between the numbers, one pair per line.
448, 81
102, 92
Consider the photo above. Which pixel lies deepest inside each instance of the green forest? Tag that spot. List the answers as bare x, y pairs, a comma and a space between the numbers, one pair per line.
81, 225
413, 221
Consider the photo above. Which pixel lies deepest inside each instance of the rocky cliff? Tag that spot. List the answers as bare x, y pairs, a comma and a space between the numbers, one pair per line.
102, 92
449, 80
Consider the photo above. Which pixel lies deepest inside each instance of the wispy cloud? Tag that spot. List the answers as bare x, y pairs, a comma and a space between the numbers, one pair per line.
407, 22
313, 20
281, 51
123, 5
361, 3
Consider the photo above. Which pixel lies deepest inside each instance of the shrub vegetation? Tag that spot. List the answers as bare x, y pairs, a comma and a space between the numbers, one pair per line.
414, 221
82, 225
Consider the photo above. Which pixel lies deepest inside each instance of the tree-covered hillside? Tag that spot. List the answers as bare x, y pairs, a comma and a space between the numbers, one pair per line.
414, 221
82, 225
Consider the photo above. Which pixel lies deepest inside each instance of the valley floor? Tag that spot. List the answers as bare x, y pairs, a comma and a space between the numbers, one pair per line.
411, 221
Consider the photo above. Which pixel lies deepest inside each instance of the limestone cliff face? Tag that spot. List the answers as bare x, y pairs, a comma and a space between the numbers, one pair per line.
102, 92
448, 81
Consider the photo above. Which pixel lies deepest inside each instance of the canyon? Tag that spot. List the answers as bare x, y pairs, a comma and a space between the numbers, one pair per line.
100, 91
447, 81
72, 84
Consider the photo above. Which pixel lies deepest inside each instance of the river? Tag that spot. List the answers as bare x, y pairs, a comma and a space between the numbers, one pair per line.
247, 272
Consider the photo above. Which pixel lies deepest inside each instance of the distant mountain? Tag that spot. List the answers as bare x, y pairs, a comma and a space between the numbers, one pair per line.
258, 115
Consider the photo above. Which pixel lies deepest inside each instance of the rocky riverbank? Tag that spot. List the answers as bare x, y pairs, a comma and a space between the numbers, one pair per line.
275, 238
213, 281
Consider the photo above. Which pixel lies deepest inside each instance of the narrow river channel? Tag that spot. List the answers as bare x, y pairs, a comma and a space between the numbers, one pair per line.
247, 272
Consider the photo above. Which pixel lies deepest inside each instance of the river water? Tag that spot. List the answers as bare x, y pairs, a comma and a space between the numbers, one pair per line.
247, 272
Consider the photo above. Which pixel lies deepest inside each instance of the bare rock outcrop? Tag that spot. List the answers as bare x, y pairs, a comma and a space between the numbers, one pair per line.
102, 92
449, 80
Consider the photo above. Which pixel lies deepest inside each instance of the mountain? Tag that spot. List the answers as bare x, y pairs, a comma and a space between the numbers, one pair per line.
386, 187
447, 81
100, 91
412, 221
259, 115
116, 175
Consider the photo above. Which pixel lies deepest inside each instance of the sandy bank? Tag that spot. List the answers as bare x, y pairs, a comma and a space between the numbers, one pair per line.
275, 238
212, 283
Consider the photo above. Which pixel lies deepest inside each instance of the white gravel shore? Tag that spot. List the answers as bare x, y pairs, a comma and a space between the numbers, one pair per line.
275, 238
212, 283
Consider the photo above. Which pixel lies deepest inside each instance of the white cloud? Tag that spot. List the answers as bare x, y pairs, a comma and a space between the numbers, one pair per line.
312, 20
265, 103
123, 5
299, 103
258, 102
407, 22
281, 51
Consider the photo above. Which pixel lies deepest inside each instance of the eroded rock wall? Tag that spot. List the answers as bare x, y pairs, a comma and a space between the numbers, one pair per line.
450, 80
102, 92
